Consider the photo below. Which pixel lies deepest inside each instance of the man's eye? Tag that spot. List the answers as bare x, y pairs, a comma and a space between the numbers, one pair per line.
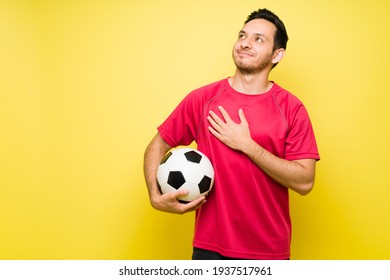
240, 36
259, 39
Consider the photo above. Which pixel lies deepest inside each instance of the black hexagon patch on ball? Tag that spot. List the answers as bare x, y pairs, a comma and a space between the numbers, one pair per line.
193, 156
176, 179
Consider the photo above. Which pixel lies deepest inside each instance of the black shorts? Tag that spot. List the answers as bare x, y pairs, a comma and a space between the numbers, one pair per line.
202, 254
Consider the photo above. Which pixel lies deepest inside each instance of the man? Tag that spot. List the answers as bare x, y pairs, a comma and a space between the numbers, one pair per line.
260, 140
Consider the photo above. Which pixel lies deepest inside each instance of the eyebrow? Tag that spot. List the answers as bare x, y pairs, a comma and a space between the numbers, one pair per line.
258, 34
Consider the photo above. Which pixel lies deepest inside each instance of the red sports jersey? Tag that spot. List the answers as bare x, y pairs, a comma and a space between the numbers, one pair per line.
247, 213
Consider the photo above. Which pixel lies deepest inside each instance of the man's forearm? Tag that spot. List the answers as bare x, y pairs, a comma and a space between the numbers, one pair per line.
297, 175
152, 158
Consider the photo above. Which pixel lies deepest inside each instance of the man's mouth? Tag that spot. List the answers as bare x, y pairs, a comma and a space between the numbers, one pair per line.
244, 53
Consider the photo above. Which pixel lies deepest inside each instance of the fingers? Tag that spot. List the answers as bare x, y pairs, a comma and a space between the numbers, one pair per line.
182, 192
224, 114
214, 132
242, 116
195, 204
216, 124
214, 127
214, 119
173, 205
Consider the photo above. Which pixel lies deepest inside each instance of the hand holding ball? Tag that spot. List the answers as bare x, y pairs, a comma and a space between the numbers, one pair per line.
185, 168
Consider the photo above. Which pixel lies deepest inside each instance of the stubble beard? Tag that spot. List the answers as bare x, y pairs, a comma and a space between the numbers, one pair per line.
248, 69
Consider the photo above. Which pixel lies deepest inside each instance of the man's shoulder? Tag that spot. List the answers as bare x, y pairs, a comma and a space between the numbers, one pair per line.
283, 95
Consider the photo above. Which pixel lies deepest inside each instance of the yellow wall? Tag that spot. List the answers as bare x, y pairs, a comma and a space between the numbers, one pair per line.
83, 85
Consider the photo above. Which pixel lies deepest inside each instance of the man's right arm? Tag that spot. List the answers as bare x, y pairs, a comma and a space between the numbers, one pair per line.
154, 153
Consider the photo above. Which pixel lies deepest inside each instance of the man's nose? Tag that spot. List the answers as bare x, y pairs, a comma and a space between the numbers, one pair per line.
246, 44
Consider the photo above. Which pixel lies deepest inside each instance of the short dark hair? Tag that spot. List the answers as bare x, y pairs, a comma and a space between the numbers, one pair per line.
280, 37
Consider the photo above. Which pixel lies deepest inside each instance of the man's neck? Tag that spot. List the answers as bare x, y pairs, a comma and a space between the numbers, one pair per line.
250, 84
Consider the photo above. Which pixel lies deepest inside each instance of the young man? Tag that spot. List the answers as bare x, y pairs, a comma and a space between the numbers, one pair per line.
260, 140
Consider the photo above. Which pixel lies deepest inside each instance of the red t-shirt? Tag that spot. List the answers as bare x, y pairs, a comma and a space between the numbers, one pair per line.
247, 213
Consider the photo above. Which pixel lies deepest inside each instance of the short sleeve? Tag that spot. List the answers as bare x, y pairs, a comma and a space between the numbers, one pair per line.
301, 142
180, 128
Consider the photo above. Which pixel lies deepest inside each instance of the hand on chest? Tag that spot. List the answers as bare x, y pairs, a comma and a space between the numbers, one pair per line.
267, 124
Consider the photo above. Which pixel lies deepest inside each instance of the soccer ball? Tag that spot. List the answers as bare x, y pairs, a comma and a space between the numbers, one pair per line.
185, 168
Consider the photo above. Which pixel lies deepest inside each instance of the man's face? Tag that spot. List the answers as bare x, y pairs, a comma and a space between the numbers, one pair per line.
253, 51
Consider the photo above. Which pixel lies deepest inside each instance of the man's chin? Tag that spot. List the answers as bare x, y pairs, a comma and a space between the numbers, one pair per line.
248, 70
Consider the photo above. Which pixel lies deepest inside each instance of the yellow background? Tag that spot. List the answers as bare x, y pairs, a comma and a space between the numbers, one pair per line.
83, 85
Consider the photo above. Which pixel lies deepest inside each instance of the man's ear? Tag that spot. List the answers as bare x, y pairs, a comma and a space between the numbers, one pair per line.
278, 56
